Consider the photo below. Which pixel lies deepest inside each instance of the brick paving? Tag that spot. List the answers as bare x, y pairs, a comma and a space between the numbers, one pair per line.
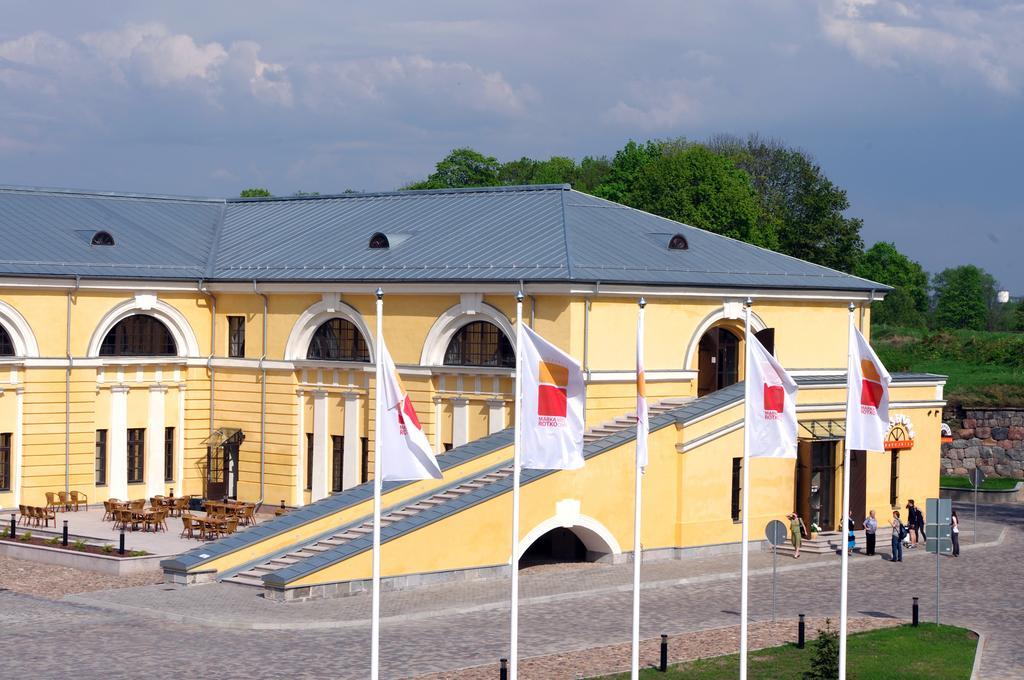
51, 581
446, 628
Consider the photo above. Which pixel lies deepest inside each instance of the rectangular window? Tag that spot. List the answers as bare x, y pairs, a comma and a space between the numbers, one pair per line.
309, 461
168, 454
101, 457
894, 478
364, 443
236, 336
5, 461
737, 480
136, 455
337, 461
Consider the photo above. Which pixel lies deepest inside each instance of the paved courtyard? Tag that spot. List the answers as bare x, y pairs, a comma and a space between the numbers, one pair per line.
224, 630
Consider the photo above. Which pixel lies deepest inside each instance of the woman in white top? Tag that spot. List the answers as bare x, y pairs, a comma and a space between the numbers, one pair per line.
954, 522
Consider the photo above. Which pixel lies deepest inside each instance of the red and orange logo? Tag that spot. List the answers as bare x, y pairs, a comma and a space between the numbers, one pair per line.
871, 389
773, 394
552, 393
406, 412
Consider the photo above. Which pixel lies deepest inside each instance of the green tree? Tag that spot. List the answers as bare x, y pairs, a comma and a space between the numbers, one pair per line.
556, 170
463, 167
593, 172
825, 660
521, 171
964, 297
698, 187
798, 202
907, 305
625, 167
254, 192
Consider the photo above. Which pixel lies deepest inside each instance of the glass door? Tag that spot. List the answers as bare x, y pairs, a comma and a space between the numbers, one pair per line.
823, 484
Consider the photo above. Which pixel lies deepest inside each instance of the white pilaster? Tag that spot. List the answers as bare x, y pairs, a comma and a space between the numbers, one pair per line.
19, 425
438, 448
117, 443
495, 416
179, 444
460, 421
320, 487
350, 467
154, 472
300, 448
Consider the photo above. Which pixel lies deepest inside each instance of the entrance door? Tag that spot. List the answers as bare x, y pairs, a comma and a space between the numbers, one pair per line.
822, 492
718, 360
216, 480
231, 469
858, 486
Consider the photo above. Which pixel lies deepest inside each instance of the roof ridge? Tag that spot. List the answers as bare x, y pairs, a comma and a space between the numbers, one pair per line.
14, 189
404, 193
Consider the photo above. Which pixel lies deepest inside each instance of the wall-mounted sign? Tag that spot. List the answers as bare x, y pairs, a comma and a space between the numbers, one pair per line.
901, 433
947, 434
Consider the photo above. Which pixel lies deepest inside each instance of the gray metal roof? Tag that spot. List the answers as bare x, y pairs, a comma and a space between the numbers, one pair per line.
532, 233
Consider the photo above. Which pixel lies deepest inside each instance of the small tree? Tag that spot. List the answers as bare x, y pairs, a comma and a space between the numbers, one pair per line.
964, 298
825, 662
254, 192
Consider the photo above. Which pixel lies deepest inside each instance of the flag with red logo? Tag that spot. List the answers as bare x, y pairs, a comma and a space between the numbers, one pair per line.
771, 405
401, 443
867, 400
553, 394
642, 425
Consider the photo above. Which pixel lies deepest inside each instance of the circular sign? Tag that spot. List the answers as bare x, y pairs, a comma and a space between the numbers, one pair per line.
977, 477
776, 532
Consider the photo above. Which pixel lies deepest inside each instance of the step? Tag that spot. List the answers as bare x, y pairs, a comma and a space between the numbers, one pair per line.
244, 580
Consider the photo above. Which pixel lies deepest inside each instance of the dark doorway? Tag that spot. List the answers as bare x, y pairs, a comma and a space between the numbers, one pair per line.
222, 471
557, 545
816, 483
858, 486
718, 360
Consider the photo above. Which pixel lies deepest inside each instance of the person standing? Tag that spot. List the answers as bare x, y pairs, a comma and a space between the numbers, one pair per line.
915, 521
870, 528
851, 539
954, 523
897, 538
796, 529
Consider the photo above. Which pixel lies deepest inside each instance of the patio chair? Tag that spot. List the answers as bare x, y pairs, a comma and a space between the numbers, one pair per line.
230, 527
78, 499
157, 520
181, 505
188, 526
248, 515
108, 511
64, 499
23, 516
44, 515
52, 501
137, 504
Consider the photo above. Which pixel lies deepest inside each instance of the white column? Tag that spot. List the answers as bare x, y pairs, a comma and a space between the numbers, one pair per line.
353, 446
155, 441
16, 444
495, 415
179, 444
460, 421
438, 448
117, 443
320, 489
300, 448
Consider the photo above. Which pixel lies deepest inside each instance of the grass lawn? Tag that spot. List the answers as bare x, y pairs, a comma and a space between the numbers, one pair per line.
990, 484
904, 652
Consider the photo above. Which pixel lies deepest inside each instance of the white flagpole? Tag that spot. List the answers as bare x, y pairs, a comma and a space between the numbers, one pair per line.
637, 550
846, 515
375, 616
745, 503
513, 656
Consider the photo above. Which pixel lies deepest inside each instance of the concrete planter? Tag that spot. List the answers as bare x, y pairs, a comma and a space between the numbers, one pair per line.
985, 496
104, 564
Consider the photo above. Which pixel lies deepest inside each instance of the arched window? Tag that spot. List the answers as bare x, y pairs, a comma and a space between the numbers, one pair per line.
6, 346
379, 241
102, 238
338, 340
138, 335
678, 242
718, 360
480, 343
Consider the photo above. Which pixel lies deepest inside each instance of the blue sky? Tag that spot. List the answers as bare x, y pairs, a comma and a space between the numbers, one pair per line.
914, 107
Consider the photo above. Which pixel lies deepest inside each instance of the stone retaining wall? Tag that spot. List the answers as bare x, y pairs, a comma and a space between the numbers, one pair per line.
990, 439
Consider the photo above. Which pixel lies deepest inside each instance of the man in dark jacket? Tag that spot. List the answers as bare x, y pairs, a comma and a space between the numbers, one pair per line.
915, 520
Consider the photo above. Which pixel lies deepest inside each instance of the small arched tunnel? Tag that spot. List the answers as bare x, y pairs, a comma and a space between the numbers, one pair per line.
565, 544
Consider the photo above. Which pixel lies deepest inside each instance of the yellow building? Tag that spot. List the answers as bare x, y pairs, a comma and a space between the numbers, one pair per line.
224, 348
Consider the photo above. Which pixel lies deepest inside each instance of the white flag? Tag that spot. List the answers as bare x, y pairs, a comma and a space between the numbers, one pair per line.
403, 447
771, 405
867, 397
551, 434
642, 425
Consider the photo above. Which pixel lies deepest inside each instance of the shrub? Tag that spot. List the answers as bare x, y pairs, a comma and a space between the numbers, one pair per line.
26, 537
78, 545
825, 662
53, 541
138, 553
108, 548
5, 532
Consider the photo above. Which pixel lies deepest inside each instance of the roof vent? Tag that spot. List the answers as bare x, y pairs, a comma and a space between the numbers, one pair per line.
102, 238
678, 242
379, 241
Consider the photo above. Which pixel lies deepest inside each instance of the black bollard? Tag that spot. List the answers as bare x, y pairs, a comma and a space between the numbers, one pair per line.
120, 549
14, 525
64, 538
663, 662
916, 613
503, 670
801, 629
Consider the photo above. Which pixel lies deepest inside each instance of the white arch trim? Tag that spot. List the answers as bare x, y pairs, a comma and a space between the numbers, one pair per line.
314, 317
453, 319
595, 536
725, 313
184, 338
22, 337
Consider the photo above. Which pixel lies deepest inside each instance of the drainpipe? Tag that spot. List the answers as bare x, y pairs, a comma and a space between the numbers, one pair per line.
213, 344
586, 337
263, 393
67, 388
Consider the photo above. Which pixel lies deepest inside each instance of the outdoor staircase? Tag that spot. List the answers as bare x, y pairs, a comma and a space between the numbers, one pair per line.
252, 575
832, 542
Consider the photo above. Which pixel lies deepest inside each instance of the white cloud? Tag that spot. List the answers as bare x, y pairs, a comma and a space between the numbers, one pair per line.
663, 105
963, 40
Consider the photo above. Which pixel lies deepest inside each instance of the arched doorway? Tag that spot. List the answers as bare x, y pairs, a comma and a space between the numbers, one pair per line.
718, 360
556, 546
